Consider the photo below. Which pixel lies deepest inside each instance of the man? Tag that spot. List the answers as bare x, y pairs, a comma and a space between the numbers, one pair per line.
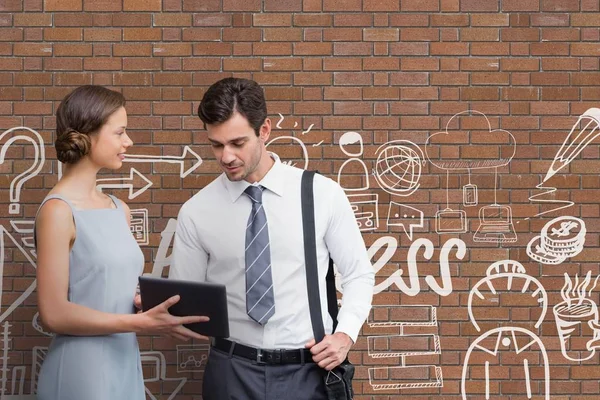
244, 230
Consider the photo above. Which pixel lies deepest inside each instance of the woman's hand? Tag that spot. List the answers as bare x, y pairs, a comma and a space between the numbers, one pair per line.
159, 320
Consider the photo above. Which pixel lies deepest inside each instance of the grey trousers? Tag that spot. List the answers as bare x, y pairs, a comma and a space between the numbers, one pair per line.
235, 378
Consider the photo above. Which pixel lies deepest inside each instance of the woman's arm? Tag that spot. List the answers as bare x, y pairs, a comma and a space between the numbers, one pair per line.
55, 233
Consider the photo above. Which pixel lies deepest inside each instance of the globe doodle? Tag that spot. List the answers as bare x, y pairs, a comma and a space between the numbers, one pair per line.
398, 169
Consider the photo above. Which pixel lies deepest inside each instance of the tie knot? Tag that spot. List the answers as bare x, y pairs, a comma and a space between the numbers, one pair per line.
255, 193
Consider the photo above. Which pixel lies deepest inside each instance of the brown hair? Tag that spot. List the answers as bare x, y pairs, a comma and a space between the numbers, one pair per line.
80, 114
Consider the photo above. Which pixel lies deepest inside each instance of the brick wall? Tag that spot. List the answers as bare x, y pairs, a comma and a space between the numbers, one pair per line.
458, 108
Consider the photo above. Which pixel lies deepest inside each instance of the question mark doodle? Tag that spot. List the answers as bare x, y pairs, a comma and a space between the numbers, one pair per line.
39, 158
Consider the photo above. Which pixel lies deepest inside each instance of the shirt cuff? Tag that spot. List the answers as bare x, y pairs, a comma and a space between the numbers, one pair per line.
350, 325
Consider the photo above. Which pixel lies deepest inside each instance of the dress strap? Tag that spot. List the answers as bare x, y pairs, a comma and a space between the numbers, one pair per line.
116, 201
50, 197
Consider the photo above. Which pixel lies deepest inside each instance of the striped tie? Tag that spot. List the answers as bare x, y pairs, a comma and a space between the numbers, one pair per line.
260, 301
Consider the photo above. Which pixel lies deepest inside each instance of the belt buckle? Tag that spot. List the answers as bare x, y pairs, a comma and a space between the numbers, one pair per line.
259, 357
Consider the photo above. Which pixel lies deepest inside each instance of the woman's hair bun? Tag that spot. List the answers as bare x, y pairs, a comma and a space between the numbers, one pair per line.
71, 146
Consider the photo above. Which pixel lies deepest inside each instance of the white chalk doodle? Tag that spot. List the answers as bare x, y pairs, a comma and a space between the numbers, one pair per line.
561, 238
6, 238
405, 345
501, 141
406, 377
548, 197
576, 318
414, 287
398, 167
507, 276
39, 158
495, 225
484, 356
583, 132
365, 208
139, 226
188, 161
297, 141
157, 361
35, 323
350, 138
137, 183
192, 358
406, 217
470, 193
162, 261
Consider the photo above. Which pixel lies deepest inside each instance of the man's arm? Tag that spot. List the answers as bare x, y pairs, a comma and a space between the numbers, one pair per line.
189, 260
347, 249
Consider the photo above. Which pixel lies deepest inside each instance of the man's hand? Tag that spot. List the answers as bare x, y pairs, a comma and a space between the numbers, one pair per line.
331, 351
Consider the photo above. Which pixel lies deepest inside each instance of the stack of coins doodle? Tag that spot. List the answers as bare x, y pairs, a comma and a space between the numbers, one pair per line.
561, 238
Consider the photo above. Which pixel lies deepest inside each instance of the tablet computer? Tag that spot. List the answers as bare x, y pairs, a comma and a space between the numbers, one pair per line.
197, 298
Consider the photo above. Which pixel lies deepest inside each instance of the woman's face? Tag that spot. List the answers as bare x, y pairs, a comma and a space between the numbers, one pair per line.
111, 143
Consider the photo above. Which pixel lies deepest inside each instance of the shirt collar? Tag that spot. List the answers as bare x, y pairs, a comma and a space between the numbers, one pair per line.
274, 180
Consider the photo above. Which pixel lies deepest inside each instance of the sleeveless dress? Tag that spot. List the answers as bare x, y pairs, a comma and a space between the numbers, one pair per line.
104, 265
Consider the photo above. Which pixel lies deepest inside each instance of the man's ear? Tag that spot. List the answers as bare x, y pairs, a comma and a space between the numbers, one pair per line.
265, 130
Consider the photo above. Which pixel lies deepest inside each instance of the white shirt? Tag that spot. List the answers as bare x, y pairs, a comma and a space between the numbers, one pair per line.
210, 241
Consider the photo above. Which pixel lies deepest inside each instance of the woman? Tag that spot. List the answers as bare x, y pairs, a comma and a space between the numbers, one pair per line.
88, 262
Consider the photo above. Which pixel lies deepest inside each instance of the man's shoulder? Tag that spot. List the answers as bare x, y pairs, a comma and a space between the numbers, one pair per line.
208, 196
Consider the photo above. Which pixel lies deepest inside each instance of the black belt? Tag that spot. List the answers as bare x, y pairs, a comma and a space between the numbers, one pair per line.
264, 357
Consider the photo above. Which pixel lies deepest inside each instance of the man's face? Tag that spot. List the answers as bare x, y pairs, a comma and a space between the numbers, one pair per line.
237, 149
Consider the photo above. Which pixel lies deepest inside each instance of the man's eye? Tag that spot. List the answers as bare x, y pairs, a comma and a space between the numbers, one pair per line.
238, 144
216, 145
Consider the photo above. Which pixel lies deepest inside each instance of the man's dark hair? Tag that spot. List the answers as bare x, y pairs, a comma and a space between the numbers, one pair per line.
230, 95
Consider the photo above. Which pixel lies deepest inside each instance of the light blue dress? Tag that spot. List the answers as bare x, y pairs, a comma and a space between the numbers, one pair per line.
104, 265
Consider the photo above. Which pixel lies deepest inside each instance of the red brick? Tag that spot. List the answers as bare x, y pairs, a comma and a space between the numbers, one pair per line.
411, 20
342, 34
563, 93
63, 5
32, 49
381, 34
480, 34
31, 19
282, 34
282, 5
167, 19
549, 49
248, 5
11, 64
102, 5
141, 64
201, 5
423, 5
272, 49
454, 49
212, 19
342, 64
420, 35
141, 34
142, 5
560, 5
272, 19
342, 5
478, 5
11, 5
520, 34
585, 49
313, 49
63, 34
212, 49
172, 49
101, 35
